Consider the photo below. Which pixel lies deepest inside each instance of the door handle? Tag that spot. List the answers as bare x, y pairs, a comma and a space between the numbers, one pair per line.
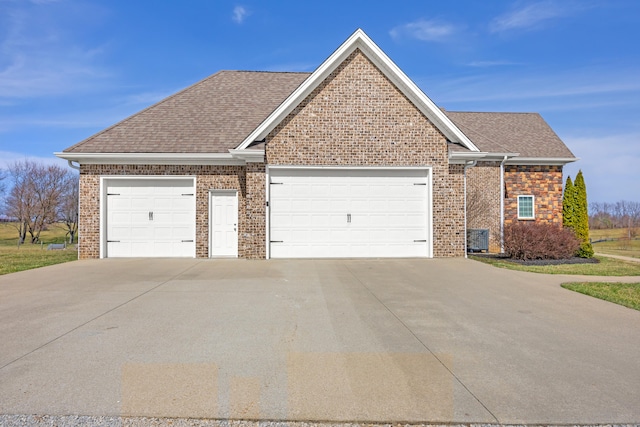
348, 218
234, 227
150, 216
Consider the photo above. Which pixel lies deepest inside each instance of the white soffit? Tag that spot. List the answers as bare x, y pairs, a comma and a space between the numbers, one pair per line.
360, 40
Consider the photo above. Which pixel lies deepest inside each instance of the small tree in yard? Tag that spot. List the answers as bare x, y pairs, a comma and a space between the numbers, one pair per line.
581, 218
68, 207
34, 197
568, 204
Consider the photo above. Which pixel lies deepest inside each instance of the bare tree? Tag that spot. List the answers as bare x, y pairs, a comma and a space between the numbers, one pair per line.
34, 196
19, 204
68, 206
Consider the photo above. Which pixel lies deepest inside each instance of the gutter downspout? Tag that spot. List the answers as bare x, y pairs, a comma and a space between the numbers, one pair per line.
502, 204
71, 165
468, 164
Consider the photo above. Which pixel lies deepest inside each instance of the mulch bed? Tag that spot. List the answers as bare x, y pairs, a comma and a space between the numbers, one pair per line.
574, 260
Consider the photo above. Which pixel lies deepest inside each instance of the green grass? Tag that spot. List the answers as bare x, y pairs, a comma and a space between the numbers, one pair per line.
606, 267
630, 248
626, 294
610, 233
28, 256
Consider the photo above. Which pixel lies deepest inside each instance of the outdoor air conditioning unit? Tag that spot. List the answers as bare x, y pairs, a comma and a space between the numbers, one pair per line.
477, 240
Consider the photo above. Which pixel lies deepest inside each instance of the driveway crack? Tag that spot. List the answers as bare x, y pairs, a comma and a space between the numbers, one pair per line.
426, 347
99, 316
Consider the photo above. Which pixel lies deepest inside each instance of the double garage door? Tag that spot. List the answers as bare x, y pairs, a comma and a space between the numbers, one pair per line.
150, 217
317, 213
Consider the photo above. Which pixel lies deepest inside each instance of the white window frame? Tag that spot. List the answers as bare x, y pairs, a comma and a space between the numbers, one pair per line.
533, 206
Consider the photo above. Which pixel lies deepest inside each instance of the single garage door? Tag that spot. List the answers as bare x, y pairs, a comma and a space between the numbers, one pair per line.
150, 217
317, 213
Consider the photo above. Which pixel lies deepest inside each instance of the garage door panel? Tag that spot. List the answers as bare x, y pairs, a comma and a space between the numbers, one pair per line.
349, 213
150, 218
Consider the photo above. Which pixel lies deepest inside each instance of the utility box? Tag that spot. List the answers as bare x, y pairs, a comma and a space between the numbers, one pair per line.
477, 240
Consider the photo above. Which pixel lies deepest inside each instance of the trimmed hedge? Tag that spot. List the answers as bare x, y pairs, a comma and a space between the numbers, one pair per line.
531, 240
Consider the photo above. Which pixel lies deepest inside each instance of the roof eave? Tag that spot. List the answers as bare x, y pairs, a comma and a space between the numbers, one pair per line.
546, 161
360, 40
461, 157
152, 158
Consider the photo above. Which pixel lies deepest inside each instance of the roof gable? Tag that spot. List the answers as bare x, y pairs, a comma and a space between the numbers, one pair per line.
359, 40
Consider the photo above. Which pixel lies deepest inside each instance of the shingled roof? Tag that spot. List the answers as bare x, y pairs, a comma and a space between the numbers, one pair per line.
212, 116
524, 133
219, 112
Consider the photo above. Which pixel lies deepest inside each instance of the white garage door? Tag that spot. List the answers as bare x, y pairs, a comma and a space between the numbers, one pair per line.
150, 218
317, 213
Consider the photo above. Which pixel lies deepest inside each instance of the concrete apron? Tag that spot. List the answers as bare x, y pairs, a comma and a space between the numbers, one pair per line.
439, 341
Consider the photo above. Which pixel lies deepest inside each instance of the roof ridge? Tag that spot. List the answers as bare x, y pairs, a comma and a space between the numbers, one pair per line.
493, 112
265, 71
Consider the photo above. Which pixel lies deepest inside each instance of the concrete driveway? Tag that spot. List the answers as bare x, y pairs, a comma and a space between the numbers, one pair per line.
408, 340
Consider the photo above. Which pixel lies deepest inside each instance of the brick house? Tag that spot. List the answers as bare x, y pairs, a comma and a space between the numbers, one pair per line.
352, 160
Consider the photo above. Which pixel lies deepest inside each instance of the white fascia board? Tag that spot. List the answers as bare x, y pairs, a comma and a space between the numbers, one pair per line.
547, 161
360, 40
461, 157
249, 156
151, 158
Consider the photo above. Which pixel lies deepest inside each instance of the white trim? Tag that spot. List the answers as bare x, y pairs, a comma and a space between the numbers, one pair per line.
212, 193
249, 156
428, 201
359, 40
153, 158
103, 203
547, 161
347, 167
533, 207
462, 157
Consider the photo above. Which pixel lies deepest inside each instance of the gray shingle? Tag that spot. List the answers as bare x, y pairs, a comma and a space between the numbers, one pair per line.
217, 113
524, 133
211, 116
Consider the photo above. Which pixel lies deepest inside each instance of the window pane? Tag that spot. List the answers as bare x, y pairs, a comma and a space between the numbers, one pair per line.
525, 206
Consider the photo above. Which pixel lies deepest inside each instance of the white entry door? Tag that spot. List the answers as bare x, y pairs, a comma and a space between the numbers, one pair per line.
223, 226
150, 217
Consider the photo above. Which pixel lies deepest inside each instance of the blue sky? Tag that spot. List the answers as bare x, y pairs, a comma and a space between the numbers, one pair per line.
69, 68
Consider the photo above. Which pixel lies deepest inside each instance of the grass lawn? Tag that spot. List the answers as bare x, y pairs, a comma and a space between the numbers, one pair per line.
623, 246
28, 256
610, 233
606, 267
627, 294
630, 248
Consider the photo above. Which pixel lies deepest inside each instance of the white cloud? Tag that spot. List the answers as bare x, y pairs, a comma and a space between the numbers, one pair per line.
9, 157
497, 63
425, 30
239, 14
527, 17
555, 85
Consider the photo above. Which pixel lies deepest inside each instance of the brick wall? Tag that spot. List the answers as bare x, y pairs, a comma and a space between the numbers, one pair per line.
357, 117
253, 243
483, 200
543, 182
207, 177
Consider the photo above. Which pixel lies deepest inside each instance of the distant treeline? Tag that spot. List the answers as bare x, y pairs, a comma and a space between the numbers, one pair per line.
622, 214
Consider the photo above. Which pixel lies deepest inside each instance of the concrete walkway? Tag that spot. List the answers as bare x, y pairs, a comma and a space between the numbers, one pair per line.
382, 341
625, 258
